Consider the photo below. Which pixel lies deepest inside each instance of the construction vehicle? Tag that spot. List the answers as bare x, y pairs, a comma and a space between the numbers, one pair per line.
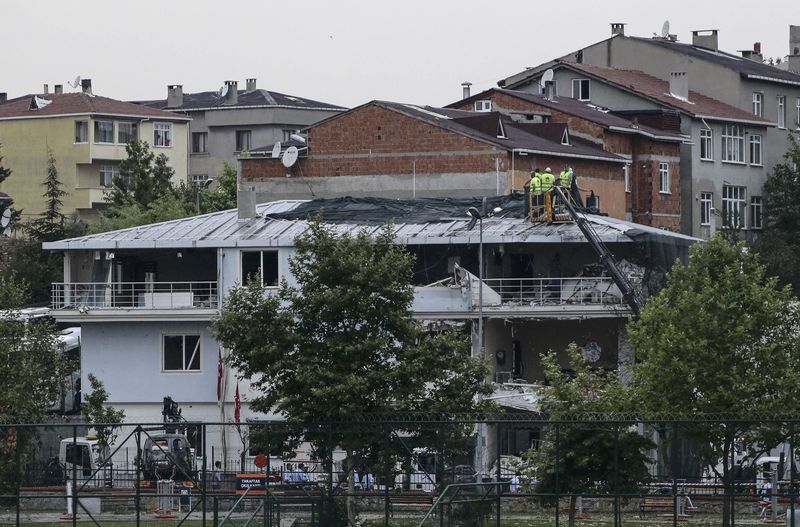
168, 454
558, 207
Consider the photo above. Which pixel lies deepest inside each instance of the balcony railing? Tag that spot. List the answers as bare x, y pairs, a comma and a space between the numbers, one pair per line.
135, 295
552, 291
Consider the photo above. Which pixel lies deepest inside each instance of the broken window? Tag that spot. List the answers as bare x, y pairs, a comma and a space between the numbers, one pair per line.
181, 353
260, 265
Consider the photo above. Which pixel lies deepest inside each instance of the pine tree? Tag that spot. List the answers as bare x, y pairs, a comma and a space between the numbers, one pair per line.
50, 225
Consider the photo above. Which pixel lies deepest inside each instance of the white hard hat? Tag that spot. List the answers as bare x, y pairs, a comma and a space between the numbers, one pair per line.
547, 169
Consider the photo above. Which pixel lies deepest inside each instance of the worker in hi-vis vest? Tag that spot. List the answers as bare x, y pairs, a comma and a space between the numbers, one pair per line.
548, 180
565, 181
536, 191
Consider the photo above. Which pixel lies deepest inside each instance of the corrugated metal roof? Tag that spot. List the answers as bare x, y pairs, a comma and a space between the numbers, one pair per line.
224, 229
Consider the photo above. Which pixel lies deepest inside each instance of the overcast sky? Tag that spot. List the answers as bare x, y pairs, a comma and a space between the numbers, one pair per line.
344, 52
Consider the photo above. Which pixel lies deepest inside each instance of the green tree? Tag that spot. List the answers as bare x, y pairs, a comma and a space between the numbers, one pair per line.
591, 457
342, 344
32, 369
779, 243
105, 419
143, 177
223, 197
131, 214
720, 339
51, 223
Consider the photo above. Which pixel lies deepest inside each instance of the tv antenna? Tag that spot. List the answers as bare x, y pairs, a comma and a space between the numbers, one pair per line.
76, 83
276, 150
547, 76
665, 29
289, 157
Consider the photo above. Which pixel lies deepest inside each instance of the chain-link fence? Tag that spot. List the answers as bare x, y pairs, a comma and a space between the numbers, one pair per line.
425, 470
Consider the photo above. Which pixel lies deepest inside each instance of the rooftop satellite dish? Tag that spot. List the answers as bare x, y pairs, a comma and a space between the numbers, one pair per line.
276, 150
76, 83
289, 157
5, 218
665, 29
547, 76
223, 91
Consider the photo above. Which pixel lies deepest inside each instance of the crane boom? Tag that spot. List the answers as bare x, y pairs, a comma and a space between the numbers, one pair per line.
629, 293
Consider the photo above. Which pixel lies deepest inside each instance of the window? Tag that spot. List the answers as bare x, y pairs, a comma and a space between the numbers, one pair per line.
580, 89
260, 265
162, 134
755, 212
734, 206
758, 104
104, 131
733, 143
181, 353
626, 175
706, 206
755, 149
81, 132
107, 174
706, 144
127, 132
483, 106
199, 142
781, 111
242, 140
663, 176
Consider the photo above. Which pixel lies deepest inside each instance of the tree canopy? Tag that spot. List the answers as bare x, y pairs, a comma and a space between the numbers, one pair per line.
101, 416
720, 339
779, 243
49, 225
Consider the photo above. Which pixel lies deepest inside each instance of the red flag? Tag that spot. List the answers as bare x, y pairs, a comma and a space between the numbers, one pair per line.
219, 376
237, 405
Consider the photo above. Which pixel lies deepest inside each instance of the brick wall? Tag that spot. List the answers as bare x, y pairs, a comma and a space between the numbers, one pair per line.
648, 204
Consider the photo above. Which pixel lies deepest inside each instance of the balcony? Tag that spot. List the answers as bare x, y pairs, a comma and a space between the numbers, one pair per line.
103, 301
520, 297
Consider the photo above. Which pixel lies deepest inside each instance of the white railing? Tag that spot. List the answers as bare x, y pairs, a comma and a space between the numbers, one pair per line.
555, 291
135, 295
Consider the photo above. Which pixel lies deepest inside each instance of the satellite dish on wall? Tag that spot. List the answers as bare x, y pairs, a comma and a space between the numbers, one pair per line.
276, 150
547, 76
223, 91
5, 219
665, 29
289, 157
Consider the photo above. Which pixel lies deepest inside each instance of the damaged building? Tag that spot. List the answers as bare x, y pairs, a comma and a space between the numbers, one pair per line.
145, 295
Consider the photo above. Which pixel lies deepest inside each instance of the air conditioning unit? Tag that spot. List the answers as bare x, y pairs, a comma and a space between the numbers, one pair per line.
483, 106
502, 377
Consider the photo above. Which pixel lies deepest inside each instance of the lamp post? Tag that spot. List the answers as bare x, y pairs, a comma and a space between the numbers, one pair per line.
478, 216
198, 187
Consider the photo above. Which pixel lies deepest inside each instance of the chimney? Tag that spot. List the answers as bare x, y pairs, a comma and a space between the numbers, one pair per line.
3, 97
548, 90
794, 40
757, 48
174, 96
706, 39
679, 85
251, 85
58, 89
754, 54
246, 203
617, 28
46, 90
86, 86
232, 97
465, 89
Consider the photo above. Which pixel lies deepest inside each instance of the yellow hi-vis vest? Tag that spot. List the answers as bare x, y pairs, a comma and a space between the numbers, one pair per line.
536, 185
565, 179
548, 180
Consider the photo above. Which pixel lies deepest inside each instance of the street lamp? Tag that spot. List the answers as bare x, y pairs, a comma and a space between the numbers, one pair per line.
198, 186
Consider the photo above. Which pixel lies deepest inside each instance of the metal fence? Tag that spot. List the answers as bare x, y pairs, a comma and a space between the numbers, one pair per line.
135, 295
418, 470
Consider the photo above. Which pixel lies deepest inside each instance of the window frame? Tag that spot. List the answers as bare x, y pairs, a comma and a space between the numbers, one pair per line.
707, 142
242, 277
751, 143
484, 105
198, 351
706, 207
113, 170
239, 134
85, 131
758, 103
781, 107
663, 178
97, 123
166, 130
756, 204
582, 97
739, 201
196, 135
736, 142
134, 136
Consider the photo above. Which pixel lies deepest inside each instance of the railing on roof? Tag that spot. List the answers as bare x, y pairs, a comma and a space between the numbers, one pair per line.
554, 291
135, 295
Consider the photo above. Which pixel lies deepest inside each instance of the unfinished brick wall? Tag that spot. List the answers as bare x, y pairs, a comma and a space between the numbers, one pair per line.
648, 204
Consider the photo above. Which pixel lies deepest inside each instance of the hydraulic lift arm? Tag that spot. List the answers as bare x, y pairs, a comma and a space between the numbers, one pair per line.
629, 293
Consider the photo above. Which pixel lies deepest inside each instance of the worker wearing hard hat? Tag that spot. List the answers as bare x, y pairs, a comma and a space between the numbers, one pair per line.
565, 181
535, 185
548, 180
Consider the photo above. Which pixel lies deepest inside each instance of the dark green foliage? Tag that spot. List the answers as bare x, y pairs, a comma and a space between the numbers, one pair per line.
779, 243
143, 176
50, 225
101, 416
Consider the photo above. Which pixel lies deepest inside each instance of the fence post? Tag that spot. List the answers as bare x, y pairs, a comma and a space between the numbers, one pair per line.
617, 520
499, 489
74, 477
204, 491
674, 479
791, 475
557, 489
138, 474
19, 474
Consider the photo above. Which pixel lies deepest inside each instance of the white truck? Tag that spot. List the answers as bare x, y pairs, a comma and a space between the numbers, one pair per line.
81, 458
